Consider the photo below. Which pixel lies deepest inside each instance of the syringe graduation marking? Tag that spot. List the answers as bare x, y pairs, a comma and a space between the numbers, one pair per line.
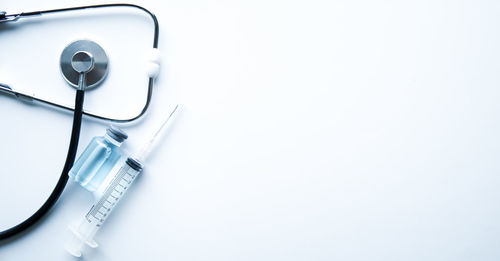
112, 194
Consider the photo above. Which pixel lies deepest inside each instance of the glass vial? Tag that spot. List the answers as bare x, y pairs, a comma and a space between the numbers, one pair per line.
97, 160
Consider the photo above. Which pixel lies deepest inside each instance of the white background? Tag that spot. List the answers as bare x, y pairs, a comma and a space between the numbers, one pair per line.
311, 130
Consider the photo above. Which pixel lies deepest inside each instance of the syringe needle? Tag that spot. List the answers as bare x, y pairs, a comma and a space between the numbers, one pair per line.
146, 148
164, 123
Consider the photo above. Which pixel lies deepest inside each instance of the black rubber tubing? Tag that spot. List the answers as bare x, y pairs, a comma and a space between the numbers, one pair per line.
63, 179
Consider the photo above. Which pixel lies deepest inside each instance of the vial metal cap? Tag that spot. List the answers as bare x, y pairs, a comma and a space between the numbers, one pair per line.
116, 133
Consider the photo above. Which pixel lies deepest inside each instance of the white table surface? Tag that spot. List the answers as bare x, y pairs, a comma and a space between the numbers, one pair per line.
311, 130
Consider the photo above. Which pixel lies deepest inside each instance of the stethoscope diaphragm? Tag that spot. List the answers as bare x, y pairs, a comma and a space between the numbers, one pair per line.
100, 63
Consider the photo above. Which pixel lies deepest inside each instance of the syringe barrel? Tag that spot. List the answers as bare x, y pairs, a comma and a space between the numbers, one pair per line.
114, 192
83, 234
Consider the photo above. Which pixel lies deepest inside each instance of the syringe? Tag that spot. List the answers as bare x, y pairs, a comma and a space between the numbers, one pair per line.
93, 220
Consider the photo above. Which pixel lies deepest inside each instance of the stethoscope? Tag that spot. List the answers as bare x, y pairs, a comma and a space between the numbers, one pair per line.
84, 65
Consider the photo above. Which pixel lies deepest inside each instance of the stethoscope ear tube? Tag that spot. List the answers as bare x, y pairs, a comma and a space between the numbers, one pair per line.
6, 18
63, 179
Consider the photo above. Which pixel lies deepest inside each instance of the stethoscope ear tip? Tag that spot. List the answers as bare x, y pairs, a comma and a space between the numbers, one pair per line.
8, 18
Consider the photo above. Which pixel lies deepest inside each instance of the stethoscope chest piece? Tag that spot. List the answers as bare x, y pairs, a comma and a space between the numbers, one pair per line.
84, 57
